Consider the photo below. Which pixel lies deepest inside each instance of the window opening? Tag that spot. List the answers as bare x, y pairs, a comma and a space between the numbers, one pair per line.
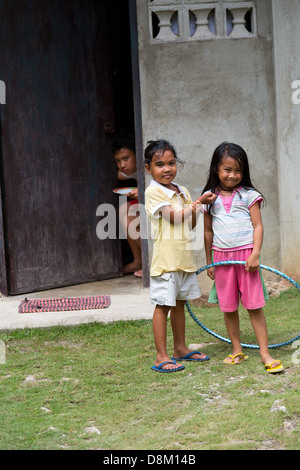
212, 21
155, 25
174, 23
248, 20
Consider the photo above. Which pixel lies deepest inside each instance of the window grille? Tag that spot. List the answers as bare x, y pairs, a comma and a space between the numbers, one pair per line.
190, 20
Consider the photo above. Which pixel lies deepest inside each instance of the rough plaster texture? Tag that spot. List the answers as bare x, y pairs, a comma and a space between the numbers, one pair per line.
287, 69
198, 94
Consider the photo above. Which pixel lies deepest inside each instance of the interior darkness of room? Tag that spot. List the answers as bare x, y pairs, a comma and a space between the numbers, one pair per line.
119, 27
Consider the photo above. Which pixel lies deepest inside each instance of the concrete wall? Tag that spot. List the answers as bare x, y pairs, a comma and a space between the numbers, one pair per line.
199, 93
286, 34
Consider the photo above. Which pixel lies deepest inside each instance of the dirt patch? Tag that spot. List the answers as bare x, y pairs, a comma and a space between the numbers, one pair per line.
202, 302
274, 288
270, 444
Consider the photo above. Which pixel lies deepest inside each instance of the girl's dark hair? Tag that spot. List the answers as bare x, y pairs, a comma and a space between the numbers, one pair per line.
236, 152
159, 147
121, 141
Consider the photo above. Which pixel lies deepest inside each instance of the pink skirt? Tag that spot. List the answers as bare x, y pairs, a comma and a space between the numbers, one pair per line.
234, 283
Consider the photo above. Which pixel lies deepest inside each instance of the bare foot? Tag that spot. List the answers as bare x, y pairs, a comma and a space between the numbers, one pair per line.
270, 360
235, 358
138, 273
193, 355
131, 268
168, 364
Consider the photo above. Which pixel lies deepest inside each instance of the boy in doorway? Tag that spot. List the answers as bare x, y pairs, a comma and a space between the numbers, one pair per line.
123, 148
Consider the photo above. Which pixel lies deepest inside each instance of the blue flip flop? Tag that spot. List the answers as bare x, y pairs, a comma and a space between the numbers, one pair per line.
160, 369
188, 357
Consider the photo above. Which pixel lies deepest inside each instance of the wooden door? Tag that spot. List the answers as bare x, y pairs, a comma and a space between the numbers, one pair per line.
56, 166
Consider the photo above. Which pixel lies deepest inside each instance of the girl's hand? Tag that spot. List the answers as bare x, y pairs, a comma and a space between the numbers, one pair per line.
211, 273
252, 263
207, 198
133, 194
196, 207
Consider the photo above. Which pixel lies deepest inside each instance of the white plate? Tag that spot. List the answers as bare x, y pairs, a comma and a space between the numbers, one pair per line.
122, 191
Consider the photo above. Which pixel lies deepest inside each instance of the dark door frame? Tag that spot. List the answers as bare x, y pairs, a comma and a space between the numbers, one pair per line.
3, 267
139, 136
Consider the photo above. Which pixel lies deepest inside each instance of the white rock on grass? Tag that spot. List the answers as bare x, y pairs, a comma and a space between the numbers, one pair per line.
92, 430
277, 407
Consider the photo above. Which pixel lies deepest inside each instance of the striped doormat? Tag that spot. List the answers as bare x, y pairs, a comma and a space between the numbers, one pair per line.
61, 304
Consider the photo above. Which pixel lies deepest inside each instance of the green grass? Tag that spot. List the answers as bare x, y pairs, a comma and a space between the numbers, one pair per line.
59, 382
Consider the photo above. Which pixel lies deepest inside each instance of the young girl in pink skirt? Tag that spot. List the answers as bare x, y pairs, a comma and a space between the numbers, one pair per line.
233, 231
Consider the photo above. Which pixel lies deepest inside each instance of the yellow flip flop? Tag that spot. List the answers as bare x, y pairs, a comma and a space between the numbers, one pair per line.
242, 358
274, 370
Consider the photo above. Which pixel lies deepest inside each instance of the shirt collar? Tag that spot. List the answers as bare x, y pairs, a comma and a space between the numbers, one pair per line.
234, 191
169, 192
